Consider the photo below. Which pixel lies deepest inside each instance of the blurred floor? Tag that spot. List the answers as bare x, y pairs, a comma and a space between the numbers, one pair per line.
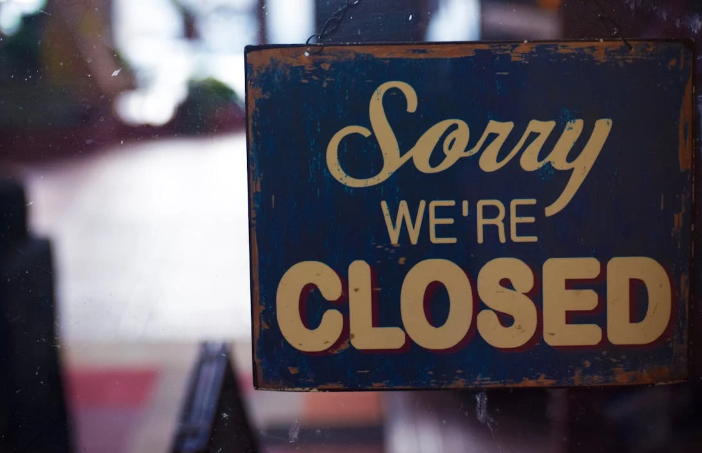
126, 397
150, 240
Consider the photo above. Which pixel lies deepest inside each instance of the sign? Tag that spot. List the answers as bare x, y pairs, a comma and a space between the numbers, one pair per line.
470, 215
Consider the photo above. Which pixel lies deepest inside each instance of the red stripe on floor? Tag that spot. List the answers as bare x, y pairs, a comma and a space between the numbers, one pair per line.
110, 388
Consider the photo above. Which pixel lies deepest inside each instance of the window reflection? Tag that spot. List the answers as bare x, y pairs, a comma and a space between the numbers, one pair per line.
123, 121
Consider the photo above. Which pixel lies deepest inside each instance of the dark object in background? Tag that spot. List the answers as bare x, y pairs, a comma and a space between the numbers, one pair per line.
370, 19
57, 85
210, 107
485, 421
33, 416
214, 418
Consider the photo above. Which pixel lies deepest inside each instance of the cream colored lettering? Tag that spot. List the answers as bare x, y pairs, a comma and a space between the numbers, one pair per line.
433, 221
403, 216
530, 159
488, 160
498, 128
514, 303
364, 335
461, 302
558, 301
456, 134
497, 221
619, 272
288, 306
514, 220
580, 166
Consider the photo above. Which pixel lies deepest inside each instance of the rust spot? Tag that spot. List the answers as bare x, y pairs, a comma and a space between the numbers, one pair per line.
577, 377
294, 56
645, 376
678, 217
257, 308
541, 381
342, 347
685, 287
522, 52
293, 370
332, 386
253, 93
673, 63
402, 260
607, 51
685, 128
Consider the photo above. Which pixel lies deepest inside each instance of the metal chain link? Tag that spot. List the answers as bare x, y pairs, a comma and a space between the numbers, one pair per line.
331, 24
616, 30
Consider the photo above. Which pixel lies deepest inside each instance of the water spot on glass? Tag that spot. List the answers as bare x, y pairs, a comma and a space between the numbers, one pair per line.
294, 432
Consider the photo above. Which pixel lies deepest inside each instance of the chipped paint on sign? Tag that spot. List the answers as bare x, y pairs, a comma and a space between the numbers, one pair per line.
546, 242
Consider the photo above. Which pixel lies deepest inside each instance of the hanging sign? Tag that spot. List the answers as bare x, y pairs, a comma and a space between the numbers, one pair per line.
470, 215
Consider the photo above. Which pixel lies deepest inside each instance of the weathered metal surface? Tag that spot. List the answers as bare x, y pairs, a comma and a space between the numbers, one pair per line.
584, 280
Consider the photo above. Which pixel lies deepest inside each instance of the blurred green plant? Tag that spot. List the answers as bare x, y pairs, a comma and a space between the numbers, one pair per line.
207, 102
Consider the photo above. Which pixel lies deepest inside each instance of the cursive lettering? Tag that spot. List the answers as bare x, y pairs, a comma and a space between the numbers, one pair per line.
455, 146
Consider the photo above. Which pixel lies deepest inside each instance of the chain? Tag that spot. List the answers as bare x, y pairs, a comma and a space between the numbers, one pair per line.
615, 30
332, 24
334, 21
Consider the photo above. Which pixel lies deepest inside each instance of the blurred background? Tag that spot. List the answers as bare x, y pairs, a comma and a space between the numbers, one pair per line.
122, 147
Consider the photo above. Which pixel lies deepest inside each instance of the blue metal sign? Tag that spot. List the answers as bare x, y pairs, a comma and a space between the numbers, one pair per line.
470, 215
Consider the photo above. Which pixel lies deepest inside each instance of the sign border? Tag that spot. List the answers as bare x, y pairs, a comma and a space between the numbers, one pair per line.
687, 155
